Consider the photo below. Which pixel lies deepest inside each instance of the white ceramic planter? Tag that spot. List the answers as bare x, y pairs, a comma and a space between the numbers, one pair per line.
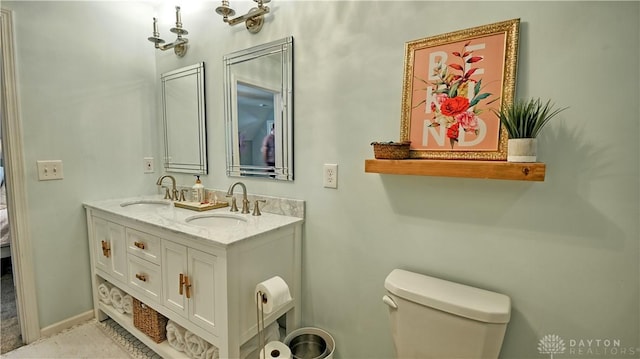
522, 150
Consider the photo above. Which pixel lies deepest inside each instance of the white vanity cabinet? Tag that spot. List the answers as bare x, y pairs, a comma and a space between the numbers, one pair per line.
110, 249
203, 279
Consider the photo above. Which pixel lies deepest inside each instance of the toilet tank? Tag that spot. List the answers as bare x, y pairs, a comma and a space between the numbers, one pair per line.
435, 318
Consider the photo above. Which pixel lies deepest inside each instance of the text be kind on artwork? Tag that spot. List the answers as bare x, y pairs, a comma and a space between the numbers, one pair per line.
472, 123
454, 103
453, 85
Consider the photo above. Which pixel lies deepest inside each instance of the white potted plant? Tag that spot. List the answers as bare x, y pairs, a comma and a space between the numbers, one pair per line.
524, 120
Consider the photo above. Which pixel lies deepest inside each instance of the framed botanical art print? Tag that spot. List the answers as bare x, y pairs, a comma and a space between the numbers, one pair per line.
453, 84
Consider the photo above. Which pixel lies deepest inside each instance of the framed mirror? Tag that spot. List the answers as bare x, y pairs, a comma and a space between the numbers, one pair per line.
184, 120
259, 111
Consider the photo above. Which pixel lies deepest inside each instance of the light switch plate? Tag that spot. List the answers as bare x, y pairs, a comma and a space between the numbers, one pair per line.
50, 170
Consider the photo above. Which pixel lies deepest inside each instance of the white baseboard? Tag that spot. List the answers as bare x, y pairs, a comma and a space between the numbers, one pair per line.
66, 324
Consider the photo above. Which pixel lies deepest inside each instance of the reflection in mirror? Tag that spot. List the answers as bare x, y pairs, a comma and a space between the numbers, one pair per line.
185, 135
258, 110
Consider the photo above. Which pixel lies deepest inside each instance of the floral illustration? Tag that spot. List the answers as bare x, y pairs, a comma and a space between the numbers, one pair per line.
457, 95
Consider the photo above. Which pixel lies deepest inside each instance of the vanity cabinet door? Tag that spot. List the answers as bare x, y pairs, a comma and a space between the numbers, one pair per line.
174, 263
111, 249
203, 305
100, 240
189, 284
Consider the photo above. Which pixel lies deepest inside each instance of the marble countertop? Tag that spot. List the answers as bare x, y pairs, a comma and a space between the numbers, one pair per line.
171, 218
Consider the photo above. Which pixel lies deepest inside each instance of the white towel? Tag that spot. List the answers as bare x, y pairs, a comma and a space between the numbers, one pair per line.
116, 299
175, 336
212, 353
104, 290
127, 304
195, 346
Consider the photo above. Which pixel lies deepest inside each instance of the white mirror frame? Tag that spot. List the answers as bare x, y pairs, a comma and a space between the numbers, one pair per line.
283, 117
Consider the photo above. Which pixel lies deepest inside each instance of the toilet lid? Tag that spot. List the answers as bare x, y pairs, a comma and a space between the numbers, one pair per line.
455, 298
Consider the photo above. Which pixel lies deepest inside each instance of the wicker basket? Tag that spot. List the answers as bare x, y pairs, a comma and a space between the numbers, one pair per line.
391, 150
149, 321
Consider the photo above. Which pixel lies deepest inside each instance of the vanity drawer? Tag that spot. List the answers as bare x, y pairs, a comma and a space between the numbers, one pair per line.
145, 277
143, 245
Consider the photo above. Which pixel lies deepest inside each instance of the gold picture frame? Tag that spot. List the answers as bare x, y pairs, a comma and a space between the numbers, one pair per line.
453, 84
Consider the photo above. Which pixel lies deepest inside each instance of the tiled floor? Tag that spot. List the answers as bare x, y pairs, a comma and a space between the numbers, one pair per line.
83, 341
9, 326
89, 340
130, 343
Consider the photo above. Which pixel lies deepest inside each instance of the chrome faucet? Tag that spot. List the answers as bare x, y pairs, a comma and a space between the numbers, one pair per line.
174, 191
245, 201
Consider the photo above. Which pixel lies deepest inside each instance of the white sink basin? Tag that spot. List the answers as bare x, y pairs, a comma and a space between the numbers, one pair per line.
144, 204
216, 220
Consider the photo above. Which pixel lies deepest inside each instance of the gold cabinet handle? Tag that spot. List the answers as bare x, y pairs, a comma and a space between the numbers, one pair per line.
139, 244
187, 285
105, 249
141, 277
184, 283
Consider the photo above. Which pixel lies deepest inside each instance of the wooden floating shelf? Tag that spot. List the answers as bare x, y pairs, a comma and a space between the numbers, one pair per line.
519, 171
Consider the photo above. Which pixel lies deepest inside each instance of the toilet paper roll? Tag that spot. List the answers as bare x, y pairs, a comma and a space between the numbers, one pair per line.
275, 292
275, 349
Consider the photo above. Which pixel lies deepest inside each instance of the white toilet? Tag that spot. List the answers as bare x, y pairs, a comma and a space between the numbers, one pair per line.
435, 318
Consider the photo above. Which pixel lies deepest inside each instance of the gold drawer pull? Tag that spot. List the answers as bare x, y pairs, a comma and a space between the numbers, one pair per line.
139, 245
141, 277
187, 285
182, 277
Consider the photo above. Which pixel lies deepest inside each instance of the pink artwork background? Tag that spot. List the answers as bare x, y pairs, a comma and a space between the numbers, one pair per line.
430, 128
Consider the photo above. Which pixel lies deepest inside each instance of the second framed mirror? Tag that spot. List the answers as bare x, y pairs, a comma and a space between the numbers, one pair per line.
259, 111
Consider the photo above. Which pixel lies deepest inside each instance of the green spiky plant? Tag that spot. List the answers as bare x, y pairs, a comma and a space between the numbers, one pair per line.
526, 118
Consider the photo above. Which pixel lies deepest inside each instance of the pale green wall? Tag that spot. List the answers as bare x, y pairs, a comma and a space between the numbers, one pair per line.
565, 250
87, 92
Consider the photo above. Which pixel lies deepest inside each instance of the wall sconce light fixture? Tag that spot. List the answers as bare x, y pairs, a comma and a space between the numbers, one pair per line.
180, 45
253, 19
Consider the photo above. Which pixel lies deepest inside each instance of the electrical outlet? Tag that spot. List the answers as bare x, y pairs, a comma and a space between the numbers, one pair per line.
148, 164
50, 170
330, 178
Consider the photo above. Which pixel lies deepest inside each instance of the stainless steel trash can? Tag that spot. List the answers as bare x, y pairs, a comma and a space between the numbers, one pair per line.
310, 343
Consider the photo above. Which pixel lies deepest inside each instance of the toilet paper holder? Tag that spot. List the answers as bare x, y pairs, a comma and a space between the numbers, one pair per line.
270, 296
261, 300
261, 297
